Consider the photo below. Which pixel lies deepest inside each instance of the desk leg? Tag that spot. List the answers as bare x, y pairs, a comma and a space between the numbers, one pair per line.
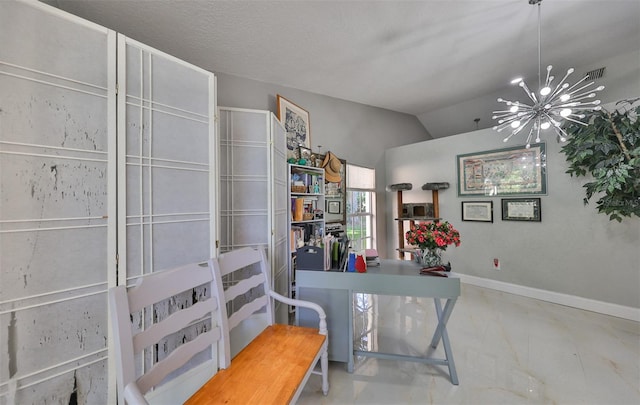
351, 360
441, 333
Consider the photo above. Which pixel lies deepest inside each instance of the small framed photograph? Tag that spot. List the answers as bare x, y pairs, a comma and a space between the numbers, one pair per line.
305, 153
334, 207
521, 209
478, 211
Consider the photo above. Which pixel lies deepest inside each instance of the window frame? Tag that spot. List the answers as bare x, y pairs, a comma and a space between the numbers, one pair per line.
366, 218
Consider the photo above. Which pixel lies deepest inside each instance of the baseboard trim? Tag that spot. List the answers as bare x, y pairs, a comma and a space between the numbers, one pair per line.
601, 307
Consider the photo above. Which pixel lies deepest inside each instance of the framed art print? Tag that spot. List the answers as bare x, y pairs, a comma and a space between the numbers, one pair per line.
511, 171
479, 211
305, 153
296, 123
334, 207
521, 209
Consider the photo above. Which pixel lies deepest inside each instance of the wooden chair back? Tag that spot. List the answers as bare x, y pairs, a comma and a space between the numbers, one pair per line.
154, 289
242, 278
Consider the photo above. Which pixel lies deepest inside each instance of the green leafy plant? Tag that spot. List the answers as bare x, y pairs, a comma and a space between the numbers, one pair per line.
608, 148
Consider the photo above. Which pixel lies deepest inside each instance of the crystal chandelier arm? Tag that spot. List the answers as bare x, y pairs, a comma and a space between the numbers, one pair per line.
549, 79
572, 89
588, 107
502, 124
588, 94
515, 131
556, 92
569, 71
579, 105
522, 125
516, 103
568, 118
506, 123
530, 135
548, 118
531, 94
499, 115
506, 113
560, 132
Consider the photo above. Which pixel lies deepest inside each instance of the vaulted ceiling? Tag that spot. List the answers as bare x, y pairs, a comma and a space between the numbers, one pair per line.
414, 57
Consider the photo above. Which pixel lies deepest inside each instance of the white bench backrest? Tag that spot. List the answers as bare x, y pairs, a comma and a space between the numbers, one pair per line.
246, 273
150, 290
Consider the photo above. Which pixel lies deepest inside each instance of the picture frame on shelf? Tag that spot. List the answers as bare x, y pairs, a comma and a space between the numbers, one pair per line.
334, 207
522, 209
305, 153
296, 123
509, 171
477, 211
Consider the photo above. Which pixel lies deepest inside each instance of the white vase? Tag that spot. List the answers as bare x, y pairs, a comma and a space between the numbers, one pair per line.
429, 257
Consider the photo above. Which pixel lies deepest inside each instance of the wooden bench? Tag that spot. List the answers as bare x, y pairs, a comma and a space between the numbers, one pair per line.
272, 364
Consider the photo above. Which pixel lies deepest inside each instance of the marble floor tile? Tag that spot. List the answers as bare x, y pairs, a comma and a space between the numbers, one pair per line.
507, 349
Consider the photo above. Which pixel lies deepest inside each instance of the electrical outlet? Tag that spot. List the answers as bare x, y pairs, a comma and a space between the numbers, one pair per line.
496, 263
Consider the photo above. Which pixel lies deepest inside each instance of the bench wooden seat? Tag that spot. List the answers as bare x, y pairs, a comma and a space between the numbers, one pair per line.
232, 314
286, 353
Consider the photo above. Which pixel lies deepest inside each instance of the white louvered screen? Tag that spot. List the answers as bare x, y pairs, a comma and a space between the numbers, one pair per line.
63, 218
165, 186
57, 208
253, 194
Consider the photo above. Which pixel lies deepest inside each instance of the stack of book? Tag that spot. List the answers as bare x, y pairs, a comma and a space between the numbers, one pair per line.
372, 257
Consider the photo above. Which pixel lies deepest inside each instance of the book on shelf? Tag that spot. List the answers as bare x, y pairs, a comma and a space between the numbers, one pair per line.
297, 237
338, 247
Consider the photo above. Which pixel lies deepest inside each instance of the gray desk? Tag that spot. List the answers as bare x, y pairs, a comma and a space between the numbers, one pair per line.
334, 292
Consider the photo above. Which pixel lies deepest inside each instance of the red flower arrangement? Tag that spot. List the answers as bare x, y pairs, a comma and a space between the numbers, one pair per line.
433, 235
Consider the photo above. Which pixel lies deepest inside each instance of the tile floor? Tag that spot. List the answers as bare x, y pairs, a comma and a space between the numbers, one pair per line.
507, 349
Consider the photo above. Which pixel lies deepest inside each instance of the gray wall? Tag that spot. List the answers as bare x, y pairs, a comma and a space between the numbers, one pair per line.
355, 132
621, 80
573, 250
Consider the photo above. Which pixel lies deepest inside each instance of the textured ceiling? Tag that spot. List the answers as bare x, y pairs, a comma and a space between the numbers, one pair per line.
407, 56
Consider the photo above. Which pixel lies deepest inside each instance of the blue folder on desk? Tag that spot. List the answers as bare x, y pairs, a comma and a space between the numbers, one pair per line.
310, 258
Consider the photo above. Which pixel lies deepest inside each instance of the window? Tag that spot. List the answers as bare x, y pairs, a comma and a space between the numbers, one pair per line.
361, 207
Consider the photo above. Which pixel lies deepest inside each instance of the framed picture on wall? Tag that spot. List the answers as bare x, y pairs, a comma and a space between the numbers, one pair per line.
509, 171
521, 209
334, 207
296, 123
478, 211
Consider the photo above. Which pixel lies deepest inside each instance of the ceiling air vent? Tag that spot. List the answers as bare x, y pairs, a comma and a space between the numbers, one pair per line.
595, 74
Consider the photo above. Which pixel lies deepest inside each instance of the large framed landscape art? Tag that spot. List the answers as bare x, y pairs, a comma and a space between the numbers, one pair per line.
511, 171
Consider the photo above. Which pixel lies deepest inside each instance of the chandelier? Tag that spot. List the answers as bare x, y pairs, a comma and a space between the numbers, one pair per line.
550, 106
